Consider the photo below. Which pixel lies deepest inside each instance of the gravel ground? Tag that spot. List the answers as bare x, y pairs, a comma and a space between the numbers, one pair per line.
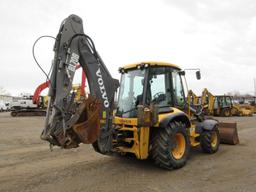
27, 164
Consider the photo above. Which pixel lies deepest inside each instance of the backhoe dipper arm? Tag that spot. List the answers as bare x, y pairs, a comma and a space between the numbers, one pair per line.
72, 46
208, 100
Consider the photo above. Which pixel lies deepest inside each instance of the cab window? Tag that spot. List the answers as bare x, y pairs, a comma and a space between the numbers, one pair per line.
178, 92
159, 83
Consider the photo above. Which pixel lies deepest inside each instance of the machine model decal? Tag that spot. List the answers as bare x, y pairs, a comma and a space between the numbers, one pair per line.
73, 61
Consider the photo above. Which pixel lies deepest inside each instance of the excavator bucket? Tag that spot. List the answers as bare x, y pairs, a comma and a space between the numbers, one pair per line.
228, 133
87, 127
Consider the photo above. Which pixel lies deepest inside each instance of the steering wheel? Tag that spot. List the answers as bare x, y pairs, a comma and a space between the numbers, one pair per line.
155, 96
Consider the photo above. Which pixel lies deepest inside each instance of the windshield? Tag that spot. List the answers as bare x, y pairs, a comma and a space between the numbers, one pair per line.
224, 101
228, 101
130, 93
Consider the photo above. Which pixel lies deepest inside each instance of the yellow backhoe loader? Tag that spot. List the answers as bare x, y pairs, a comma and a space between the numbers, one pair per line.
249, 105
193, 98
253, 104
222, 105
150, 118
207, 102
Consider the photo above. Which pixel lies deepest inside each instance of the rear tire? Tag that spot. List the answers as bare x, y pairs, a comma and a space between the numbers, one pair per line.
210, 141
226, 113
171, 146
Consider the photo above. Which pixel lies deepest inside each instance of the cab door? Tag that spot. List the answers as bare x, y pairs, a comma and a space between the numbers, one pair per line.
178, 90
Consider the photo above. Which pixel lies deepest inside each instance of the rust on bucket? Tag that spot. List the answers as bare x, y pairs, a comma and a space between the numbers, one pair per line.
228, 133
87, 127
84, 125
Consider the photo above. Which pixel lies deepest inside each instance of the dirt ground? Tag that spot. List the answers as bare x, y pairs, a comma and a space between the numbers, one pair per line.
27, 164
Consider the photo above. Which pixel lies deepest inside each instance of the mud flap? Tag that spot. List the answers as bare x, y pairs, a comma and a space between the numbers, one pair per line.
228, 133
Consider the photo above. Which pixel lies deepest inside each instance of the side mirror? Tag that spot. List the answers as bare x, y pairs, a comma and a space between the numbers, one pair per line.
198, 75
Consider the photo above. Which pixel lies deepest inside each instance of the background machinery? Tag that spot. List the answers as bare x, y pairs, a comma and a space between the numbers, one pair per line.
150, 118
207, 102
4, 106
248, 103
35, 105
222, 105
241, 109
193, 98
252, 102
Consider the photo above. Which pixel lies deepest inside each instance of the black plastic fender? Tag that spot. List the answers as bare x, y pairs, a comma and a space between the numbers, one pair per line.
181, 117
208, 124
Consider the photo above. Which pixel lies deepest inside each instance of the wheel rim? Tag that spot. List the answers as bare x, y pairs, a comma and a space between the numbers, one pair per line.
226, 113
179, 150
214, 139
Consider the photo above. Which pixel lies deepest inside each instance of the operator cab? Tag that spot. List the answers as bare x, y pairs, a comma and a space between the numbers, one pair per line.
150, 83
223, 101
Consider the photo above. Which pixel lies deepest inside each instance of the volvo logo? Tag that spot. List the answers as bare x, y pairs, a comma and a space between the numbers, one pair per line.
102, 88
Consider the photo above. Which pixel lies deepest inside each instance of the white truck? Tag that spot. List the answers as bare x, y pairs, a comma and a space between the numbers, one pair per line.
23, 103
3, 106
26, 107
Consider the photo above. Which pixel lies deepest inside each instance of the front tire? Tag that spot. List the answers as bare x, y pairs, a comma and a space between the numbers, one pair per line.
171, 146
226, 113
210, 141
13, 114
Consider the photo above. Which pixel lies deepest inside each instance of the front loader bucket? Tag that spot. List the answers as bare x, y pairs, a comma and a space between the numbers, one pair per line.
246, 112
228, 133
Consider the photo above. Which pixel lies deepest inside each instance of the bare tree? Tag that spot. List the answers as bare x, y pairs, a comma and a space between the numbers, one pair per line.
238, 96
235, 94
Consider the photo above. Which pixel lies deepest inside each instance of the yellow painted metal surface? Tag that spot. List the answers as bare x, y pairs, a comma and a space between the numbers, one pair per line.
135, 149
193, 136
140, 142
192, 98
208, 101
77, 89
141, 135
152, 63
125, 121
180, 148
144, 142
242, 110
164, 115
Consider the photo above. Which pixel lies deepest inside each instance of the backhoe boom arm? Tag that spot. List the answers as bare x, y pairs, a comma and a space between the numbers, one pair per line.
72, 46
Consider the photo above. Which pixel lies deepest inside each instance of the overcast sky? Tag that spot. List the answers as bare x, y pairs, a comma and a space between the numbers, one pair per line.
217, 36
